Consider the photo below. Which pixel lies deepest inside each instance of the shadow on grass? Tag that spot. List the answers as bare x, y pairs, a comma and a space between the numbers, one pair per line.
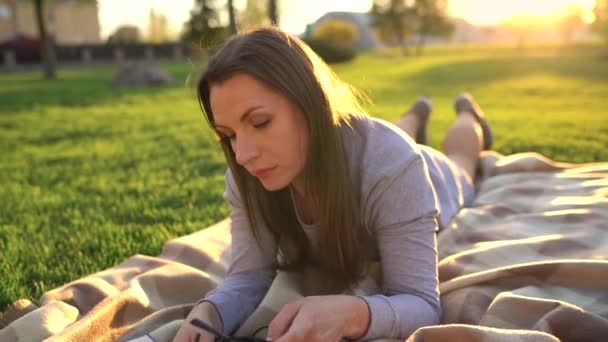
78, 87
463, 74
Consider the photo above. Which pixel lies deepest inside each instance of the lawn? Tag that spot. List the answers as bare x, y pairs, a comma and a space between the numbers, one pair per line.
91, 175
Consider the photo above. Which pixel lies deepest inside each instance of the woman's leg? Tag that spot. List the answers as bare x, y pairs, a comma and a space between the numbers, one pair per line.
463, 142
408, 123
414, 121
468, 136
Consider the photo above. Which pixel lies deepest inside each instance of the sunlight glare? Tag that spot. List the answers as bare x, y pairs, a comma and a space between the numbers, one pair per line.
577, 201
483, 12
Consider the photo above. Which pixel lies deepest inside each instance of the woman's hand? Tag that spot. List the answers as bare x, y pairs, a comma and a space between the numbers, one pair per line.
321, 318
189, 333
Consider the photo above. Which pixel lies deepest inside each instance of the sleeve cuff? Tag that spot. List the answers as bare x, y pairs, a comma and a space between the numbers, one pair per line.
382, 318
204, 300
229, 315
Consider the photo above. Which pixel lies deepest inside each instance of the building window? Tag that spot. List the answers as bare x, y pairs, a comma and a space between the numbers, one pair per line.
5, 12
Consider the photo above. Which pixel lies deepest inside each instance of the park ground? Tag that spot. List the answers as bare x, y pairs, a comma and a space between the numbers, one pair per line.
90, 175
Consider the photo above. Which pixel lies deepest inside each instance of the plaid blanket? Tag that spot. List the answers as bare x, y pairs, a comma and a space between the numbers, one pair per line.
527, 262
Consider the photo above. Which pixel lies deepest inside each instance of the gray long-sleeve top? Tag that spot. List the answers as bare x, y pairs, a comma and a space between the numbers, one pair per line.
398, 206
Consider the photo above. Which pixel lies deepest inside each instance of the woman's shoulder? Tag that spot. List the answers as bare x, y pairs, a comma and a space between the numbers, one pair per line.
373, 142
387, 170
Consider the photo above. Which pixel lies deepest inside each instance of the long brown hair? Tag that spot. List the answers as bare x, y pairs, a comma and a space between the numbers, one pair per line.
288, 66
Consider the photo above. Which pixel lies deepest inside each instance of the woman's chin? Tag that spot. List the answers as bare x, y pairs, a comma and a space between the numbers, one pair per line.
271, 185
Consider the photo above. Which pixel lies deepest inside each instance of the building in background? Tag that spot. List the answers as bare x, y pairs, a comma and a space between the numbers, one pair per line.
68, 21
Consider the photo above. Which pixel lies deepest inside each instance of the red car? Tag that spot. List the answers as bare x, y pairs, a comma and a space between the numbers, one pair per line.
27, 49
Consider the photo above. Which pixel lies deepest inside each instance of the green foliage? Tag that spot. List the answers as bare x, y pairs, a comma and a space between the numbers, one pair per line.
125, 34
91, 175
334, 41
432, 19
330, 53
204, 29
396, 20
392, 21
253, 15
337, 33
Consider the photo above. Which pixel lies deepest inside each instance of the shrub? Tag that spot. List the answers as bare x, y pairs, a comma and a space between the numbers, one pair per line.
334, 41
337, 33
329, 53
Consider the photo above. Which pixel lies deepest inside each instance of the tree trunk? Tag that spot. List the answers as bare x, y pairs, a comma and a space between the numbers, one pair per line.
232, 18
47, 51
273, 12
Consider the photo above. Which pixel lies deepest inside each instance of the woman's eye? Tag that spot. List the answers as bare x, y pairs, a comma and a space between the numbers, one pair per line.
261, 124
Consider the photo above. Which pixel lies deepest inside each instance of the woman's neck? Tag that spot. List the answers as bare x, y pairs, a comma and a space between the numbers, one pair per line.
302, 205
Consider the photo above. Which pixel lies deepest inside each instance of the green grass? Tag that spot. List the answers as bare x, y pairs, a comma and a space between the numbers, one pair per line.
91, 175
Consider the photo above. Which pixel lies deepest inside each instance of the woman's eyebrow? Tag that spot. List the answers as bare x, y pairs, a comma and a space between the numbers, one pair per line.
244, 116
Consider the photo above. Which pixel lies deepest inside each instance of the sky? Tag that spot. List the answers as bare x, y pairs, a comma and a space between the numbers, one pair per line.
295, 14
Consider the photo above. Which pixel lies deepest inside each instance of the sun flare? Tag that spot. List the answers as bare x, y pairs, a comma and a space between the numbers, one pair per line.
490, 12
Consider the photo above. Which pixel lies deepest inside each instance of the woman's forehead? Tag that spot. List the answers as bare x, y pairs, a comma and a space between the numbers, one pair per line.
241, 95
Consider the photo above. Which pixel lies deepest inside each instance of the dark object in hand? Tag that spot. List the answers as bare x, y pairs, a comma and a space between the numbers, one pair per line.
219, 337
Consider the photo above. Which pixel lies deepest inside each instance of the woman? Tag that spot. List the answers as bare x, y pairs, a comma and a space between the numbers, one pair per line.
312, 182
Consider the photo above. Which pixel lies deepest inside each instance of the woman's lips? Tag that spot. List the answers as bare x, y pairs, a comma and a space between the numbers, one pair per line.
263, 173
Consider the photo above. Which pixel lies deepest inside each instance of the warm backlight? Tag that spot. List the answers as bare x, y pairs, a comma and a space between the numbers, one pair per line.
491, 12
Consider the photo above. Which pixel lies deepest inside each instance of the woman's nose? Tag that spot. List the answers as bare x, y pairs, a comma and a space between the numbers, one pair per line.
245, 150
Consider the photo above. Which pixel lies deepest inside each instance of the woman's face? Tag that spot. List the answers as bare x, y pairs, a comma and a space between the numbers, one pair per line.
268, 133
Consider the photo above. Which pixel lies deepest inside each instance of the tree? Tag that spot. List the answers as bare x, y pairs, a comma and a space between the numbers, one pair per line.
125, 34
231, 17
432, 20
600, 25
334, 40
47, 49
392, 21
204, 26
253, 15
337, 33
273, 12
570, 20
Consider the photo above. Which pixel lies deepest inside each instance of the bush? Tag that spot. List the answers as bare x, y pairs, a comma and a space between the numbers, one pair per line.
329, 53
337, 33
334, 41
